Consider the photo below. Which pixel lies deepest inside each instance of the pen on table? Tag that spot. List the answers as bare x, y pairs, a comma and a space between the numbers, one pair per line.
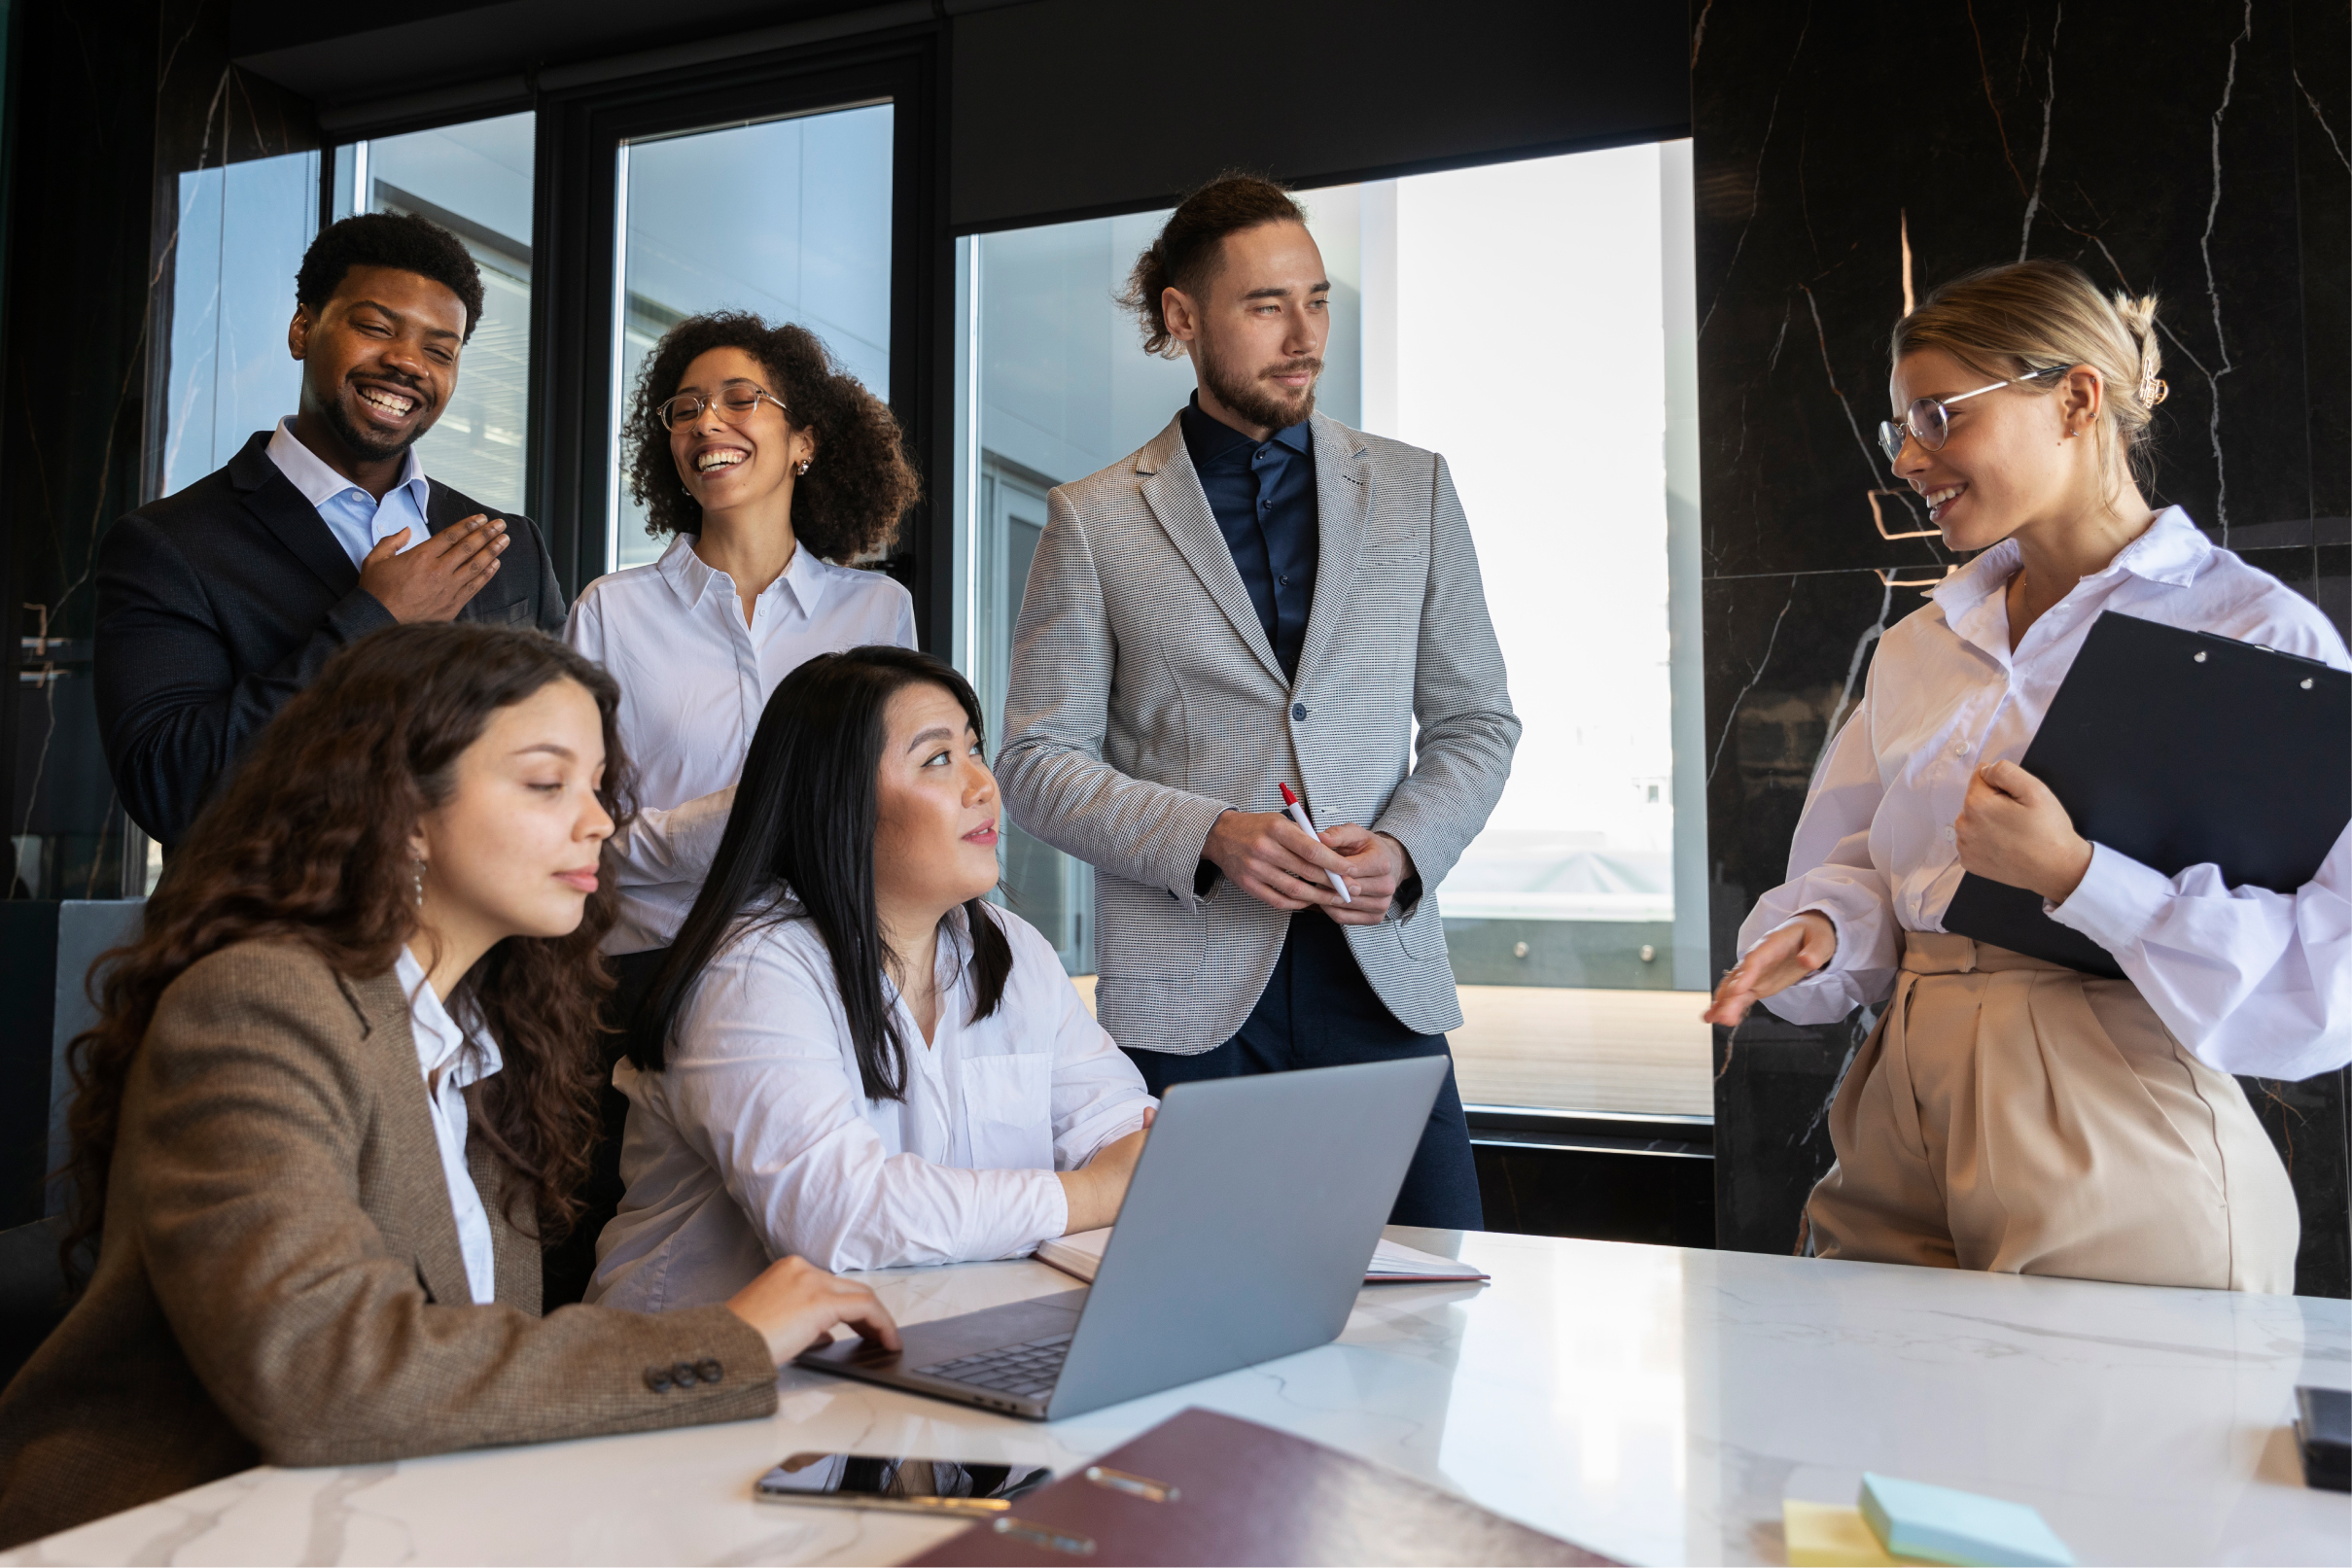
1297, 808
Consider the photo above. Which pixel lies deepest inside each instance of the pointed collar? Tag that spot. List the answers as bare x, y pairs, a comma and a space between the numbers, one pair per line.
2171, 550
690, 577
320, 484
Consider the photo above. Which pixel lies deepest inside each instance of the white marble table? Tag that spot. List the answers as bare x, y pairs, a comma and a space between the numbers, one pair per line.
1650, 1402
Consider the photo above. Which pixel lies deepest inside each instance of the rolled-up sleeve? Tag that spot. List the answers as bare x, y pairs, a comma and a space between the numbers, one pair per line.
1830, 870
2253, 980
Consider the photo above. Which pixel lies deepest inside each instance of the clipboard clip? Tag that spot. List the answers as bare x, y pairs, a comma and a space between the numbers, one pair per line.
1067, 1542
1133, 1485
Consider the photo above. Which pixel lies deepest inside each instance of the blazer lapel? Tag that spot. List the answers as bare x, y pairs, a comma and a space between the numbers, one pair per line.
1342, 499
1172, 491
272, 497
441, 1263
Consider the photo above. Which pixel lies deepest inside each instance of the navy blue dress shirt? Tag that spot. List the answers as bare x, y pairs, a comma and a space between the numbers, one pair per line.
1262, 494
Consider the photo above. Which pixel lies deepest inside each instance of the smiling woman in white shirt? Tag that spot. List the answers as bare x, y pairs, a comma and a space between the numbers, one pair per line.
776, 472
2007, 1113
850, 1056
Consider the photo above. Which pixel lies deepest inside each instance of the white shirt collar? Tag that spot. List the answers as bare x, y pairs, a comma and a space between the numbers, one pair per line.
690, 577
320, 484
439, 1043
2170, 550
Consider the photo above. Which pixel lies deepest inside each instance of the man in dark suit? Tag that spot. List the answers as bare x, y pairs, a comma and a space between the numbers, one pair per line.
218, 604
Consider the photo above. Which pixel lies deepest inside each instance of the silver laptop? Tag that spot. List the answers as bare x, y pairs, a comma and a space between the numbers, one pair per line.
1244, 1235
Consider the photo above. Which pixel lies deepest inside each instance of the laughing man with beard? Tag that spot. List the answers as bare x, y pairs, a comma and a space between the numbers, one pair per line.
218, 604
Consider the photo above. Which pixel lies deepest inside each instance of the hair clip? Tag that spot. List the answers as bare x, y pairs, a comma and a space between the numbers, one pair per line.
2153, 391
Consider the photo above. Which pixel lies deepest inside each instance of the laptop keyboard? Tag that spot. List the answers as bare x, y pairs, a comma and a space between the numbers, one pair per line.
1024, 1371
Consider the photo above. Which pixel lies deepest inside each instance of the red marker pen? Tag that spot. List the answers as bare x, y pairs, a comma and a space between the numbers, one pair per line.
1297, 808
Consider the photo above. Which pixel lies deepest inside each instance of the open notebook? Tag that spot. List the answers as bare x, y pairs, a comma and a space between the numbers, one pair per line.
1392, 1262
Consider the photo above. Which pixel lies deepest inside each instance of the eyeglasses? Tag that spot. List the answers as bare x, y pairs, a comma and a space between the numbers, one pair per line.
1930, 419
735, 401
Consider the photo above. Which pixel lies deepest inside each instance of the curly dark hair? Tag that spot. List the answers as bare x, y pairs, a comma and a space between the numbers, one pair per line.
847, 507
394, 239
1189, 246
311, 844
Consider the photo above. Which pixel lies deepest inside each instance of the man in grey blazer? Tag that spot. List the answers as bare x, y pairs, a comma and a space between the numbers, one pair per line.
1262, 597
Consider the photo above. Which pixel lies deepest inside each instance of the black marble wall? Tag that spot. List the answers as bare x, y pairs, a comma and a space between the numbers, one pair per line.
1847, 154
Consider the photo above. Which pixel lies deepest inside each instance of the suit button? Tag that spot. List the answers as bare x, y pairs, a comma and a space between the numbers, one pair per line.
682, 1374
1298, 710
657, 1378
709, 1371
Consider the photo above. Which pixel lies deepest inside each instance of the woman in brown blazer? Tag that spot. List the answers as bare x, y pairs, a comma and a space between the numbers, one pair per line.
339, 1095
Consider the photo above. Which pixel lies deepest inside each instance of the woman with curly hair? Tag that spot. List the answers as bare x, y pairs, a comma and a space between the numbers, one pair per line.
342, 1089
778, 474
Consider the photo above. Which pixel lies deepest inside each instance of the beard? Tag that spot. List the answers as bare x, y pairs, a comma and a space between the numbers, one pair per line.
369, 443
1252, 395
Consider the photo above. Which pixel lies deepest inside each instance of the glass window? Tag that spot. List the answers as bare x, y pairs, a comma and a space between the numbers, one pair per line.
790, 219
242, 231
473, 179
1547, 388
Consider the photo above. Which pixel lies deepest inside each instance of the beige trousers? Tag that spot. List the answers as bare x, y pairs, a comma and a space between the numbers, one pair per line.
2020, 1117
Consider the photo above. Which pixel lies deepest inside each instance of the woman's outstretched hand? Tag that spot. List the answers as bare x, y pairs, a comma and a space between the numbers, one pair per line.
795, 1305
1096, 1190
1772, 965
2013, 830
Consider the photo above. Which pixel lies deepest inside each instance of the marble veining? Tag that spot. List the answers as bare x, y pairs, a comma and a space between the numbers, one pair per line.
1652, 1402
1842, 171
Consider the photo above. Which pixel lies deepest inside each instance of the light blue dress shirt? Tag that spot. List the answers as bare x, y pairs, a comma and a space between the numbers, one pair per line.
356, 518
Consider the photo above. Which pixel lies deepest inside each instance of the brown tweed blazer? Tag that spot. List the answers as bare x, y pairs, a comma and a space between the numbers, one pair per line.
280, 1281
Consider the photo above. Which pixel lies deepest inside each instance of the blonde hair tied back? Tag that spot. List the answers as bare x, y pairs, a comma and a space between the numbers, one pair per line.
2043, 315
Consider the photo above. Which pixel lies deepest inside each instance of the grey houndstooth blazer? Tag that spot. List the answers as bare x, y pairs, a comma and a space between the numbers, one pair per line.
1144, 701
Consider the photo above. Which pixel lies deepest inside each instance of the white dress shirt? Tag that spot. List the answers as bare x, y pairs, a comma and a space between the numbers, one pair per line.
693, 680
460, 1059
757, 1142
2253, 980
356, 519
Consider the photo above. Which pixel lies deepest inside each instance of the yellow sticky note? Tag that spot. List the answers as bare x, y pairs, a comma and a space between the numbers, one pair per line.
1831, 1535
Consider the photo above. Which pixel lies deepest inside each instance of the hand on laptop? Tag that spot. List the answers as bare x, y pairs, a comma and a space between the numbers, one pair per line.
1096, 1190
795, 1305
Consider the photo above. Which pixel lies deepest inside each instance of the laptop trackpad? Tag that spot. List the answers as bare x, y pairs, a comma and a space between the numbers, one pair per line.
950, 1338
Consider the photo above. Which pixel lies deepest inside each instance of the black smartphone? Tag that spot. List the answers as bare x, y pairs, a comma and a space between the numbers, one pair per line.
907, 1484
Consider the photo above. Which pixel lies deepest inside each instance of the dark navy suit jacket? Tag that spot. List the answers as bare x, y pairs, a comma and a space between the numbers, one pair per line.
218, 604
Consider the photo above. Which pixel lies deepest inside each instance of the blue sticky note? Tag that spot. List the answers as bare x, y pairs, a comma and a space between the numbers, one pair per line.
1941, 1525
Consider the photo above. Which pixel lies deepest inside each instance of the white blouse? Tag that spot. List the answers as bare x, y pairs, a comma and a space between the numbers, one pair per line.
2253, 980
758, 1140
693, 681
461, 1059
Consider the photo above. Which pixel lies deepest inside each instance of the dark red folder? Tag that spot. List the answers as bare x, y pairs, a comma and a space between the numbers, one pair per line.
1204, 1488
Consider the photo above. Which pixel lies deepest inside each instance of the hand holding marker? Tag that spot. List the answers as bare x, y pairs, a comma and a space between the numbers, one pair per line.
1298, 813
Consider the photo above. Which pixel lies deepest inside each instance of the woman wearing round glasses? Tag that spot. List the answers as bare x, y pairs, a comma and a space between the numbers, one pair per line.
2010, 1114
778, 474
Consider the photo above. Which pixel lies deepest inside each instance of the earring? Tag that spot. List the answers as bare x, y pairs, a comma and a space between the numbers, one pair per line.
804, 468
420, 881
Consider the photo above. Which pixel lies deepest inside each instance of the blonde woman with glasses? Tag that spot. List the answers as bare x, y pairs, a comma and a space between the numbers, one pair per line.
2009, 1114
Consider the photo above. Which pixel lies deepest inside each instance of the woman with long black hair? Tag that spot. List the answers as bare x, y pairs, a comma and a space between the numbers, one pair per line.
340, 1092
849, 1054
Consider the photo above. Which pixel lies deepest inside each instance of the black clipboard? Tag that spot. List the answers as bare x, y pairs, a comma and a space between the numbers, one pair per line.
2177, 748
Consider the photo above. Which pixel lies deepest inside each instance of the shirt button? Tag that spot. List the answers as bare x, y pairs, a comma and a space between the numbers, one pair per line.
1298, 711
1960, 748
1947, 835
1283, 581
